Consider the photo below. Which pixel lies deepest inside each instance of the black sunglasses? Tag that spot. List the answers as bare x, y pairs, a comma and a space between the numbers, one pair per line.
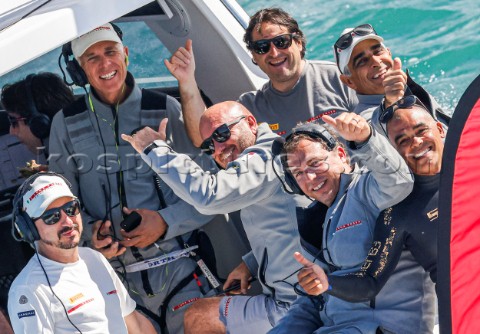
406, 102
14, 120
52, 216
220, 135
346, 39
281, 42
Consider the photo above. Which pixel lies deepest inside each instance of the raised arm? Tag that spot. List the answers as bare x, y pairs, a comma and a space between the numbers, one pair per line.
182, 67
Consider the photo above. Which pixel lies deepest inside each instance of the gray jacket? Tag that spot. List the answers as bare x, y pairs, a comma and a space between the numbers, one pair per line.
249, 184
79, 139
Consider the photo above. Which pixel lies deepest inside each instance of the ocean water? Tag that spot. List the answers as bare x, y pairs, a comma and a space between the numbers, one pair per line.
437, 40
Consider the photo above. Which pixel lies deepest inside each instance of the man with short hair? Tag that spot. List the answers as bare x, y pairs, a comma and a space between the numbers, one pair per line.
64, 288
368, 68
112, 180
298, 90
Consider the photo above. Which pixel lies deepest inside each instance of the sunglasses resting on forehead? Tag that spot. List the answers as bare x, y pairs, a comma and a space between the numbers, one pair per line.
406, 102
220, 135
53, 216
281, 42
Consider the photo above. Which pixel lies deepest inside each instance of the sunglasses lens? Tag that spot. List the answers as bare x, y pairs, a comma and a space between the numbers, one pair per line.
72, 209
261, 47
364, 29
344, 41
221, 134
52, 218
207, 146
407, 102
282, 42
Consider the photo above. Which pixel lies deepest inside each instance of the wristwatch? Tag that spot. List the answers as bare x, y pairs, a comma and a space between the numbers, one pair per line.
149, 148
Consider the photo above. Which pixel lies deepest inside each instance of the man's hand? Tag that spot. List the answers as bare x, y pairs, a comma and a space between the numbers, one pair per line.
394, 83
350, 126
311, 278
144, 137
151, 228
242, 274
105, 244
182, 64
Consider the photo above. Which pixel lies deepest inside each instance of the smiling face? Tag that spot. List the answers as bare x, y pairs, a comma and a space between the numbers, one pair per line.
65, 234
105, 65
368, 64
242, 134
418, 138
316, 170
283, 67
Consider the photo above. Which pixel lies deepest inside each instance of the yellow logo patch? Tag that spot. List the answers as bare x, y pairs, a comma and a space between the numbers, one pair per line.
432, 215
274, 127
76, 297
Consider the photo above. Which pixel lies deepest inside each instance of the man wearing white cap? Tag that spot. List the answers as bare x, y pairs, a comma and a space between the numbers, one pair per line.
111, 179
368, 68
64, 288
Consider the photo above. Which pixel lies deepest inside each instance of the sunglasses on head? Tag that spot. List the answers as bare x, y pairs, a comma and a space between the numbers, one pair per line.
281, 42
220, 135
14, 120
346, 39
52, 216
406, 102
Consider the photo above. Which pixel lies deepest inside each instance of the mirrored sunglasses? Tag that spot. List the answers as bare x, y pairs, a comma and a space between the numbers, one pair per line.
220, 135
281, 42
52, 216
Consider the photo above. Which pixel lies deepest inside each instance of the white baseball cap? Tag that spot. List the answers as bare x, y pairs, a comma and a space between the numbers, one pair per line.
351, 37
105, 32
43, 191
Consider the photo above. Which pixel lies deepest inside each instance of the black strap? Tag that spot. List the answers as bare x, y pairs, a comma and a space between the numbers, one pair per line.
144, 273
163, 308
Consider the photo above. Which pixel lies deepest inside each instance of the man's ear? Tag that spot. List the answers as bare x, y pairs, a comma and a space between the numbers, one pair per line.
252, 123
125, 50
441, 129
348, 81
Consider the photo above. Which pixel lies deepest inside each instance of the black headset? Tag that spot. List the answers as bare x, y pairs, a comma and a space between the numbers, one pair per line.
312, 130
23, 227
74, 70
38, 122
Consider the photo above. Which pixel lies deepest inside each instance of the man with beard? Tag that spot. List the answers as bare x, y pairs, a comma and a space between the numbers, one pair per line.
64, 288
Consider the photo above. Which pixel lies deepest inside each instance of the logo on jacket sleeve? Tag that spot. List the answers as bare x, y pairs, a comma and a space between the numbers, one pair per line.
25, 314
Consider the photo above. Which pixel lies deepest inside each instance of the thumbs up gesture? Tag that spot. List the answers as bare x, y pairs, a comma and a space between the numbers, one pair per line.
311, 277
394, 83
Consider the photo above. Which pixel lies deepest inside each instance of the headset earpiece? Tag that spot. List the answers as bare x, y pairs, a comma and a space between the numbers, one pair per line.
314, 131
23, 227
38, 122
74, 70
126, 59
